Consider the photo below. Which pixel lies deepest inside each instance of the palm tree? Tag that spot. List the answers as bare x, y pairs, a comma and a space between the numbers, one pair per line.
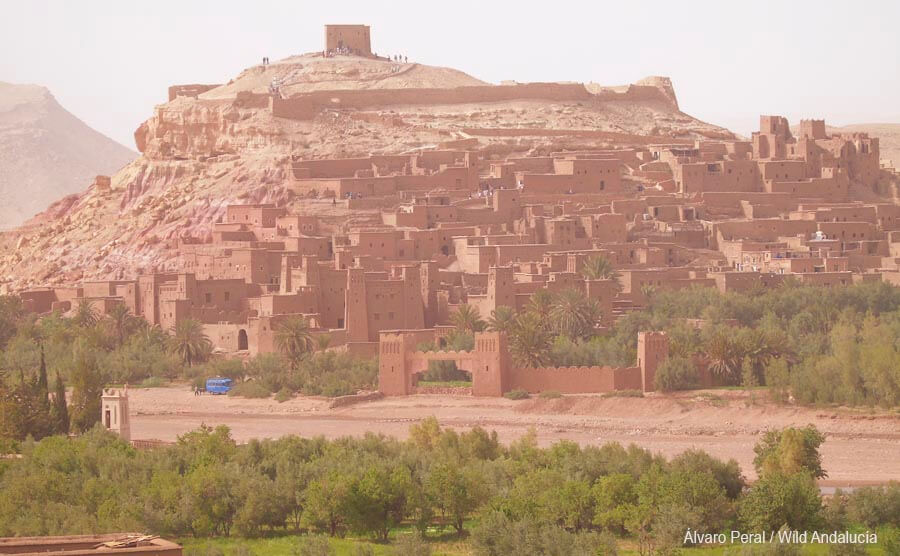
572, 314
121, 319
322, 342
293, 338
502, 319
759, 347
189, 342
540, 303
151, 334
85, 314
598, 267
530, 342
467, 319
725, 356
648, 291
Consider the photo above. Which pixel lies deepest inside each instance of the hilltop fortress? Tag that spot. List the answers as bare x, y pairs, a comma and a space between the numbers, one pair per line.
333, 187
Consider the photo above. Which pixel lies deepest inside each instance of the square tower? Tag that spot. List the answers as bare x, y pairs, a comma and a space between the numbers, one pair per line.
114, 412
354, 38
652, 350
813, 129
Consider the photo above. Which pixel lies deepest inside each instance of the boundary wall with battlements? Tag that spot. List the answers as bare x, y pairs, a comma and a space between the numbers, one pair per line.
492, 372
305, 106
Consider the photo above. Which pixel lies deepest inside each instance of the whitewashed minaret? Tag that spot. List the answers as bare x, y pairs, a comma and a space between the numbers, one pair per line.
114, 411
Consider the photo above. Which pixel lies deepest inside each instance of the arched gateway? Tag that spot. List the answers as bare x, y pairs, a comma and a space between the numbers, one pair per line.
399, 361
493, 374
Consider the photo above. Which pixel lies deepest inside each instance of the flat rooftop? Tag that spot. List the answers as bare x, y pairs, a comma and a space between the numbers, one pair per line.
78, 545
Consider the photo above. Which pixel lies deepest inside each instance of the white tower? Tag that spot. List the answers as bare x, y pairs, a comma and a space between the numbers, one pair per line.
114, 411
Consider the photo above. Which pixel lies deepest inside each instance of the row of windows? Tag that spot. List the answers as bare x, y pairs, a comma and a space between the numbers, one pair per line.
208, 297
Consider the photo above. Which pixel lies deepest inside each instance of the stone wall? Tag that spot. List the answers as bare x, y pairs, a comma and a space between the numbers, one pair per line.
305, 106
611, 136
576, 380
192, 90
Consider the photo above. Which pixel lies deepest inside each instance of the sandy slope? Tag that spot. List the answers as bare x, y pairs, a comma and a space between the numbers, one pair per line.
298, 74
860, 447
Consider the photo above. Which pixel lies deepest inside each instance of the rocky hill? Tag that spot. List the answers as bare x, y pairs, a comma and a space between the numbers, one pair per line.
214, 145
46, 152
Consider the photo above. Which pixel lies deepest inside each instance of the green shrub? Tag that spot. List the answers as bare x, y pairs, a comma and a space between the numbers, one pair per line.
9, 446
676, 373
336, 374
499, 535
153, 382
889, 539
241, 550
624, 394
315, 545
271, 370
875, 506
249, 390
207, 549
517, 395
778, 499
329, 373
550, 394
411, 544
446, 371
139, 358
228, 368
283, 395
763, 549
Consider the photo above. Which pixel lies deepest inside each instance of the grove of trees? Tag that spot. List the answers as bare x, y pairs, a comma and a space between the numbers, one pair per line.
520, 496
85, 351
821, 345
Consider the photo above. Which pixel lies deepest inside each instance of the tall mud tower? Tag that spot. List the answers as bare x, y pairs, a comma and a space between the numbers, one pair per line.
354, 38
652, 350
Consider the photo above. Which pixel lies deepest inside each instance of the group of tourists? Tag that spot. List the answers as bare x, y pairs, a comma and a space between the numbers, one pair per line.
342, 51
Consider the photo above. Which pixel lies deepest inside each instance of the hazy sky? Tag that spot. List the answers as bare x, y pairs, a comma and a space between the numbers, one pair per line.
109, 62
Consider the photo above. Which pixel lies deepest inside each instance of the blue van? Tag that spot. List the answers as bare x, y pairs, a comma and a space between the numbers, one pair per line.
218, 385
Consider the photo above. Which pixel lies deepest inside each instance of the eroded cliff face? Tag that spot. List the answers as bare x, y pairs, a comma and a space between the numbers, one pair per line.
191, 128
138, 224
664, 84
200, 154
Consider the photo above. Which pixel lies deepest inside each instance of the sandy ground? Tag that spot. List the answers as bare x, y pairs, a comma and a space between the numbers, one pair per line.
861, 447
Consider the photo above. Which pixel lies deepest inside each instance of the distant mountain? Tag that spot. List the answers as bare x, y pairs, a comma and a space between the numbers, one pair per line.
46, 153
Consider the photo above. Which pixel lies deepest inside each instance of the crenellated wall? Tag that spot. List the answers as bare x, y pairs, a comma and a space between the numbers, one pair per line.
611, 136
305, 106
493, 375
192, 90
576, 380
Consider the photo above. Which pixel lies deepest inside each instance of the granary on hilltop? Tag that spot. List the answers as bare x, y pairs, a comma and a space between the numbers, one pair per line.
352, 39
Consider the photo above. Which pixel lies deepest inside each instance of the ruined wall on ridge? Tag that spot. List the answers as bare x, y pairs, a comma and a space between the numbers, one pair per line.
306, 105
